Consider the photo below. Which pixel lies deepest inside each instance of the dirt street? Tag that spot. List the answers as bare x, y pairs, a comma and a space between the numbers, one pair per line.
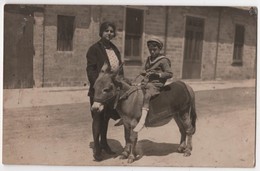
61, 135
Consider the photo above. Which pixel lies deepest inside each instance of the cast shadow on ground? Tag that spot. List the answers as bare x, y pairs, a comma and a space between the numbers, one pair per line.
150, 148
144, 148
115, 147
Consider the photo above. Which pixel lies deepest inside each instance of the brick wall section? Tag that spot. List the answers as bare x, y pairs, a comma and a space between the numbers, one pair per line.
210, 43
176, 34
38, 48
176, 38
224, 68
67, 68
175, 41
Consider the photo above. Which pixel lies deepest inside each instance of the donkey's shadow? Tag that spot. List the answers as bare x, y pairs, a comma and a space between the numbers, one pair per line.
115, 147
150, 148
143, 148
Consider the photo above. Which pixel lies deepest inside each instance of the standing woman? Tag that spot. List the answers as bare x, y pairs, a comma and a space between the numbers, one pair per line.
103, 51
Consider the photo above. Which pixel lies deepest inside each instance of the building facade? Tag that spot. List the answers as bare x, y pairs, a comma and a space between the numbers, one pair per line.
46, 45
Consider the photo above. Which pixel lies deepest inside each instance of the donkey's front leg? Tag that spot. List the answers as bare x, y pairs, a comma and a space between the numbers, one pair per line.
127, 149
133, 138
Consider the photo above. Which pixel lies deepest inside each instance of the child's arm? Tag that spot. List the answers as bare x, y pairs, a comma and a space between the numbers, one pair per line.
166, 69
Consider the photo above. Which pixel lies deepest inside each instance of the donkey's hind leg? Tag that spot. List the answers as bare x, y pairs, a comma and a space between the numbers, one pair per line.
182, 145
189, 130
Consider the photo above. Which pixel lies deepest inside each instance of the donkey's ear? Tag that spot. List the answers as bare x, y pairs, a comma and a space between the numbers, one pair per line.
121, 66
117, 80
117, 71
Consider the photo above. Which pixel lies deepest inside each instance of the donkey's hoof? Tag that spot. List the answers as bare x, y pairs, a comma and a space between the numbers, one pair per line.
181, 149
187, 153
130, 160
124, 155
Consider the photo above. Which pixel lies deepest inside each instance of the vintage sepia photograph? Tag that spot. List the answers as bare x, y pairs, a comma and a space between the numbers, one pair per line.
129, 85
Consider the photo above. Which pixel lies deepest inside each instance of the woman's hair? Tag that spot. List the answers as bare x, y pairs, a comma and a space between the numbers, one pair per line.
105, 25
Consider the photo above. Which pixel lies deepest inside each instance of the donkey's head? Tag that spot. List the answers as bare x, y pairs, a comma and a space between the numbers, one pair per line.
105, 86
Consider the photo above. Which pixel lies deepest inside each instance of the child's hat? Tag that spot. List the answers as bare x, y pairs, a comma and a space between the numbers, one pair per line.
156, 40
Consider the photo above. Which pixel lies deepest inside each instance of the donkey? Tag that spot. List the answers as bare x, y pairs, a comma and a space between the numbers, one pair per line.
176, 101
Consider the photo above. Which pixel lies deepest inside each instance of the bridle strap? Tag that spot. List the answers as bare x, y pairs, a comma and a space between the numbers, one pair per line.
117, 99
104, 101
129, 92
125, 95
117, 95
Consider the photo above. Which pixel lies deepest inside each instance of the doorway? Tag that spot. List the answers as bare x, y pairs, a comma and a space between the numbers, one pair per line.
18, 49
193, 48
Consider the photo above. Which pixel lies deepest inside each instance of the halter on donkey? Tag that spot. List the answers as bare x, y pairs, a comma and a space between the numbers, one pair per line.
177, 100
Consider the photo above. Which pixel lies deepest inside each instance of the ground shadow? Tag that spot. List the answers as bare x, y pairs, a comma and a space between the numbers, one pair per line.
143, 148
114, 145
150, 148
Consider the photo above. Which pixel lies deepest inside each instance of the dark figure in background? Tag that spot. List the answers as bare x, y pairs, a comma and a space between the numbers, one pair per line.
104, 51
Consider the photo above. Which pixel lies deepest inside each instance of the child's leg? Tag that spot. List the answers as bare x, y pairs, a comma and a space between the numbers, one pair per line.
145, 109
147, 97
141, 122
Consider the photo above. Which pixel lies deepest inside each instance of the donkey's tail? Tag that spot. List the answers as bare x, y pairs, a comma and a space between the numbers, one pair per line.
193, 113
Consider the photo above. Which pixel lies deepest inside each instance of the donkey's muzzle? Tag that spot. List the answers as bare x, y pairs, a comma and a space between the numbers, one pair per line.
97, 107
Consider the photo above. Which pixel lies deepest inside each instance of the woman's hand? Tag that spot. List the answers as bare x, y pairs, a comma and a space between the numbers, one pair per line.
153, 75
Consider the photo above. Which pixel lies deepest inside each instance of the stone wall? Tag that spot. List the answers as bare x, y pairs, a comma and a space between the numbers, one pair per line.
59, 68
225, 70
67, 68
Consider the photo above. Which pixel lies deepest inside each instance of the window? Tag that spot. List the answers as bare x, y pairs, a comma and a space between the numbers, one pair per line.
133, 35
238, 45
65, 33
